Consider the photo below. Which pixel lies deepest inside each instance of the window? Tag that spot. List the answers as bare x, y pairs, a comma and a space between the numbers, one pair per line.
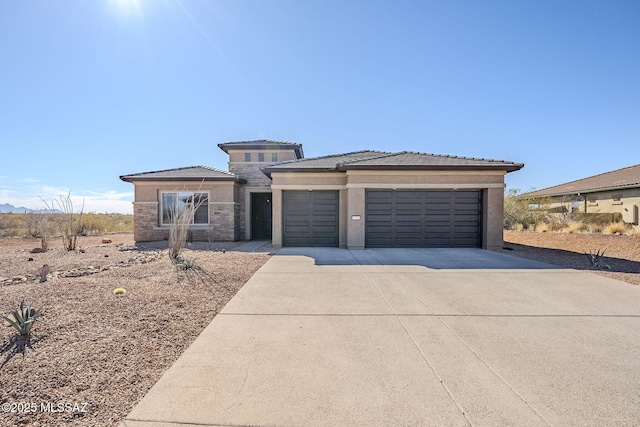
175, 204
247, 157
575, 206
616, 199
274, 157
261, 157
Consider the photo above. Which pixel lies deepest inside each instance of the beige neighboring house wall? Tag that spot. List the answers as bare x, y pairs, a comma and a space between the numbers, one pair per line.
615, 192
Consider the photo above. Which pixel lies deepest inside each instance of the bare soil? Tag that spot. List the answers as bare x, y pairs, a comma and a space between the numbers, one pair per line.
622, 253
96, 347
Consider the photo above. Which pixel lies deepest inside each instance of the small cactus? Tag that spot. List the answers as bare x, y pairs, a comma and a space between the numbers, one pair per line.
596, 260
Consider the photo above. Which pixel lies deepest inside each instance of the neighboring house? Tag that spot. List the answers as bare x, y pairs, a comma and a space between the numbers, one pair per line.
615, 192
353, 200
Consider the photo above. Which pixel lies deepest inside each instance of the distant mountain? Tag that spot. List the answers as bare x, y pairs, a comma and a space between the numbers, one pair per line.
7, 208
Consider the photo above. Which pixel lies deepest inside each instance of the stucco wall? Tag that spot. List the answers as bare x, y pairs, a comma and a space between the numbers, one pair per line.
603, 202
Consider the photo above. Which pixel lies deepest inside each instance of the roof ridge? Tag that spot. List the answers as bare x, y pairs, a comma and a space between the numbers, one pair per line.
382, 155
325, 157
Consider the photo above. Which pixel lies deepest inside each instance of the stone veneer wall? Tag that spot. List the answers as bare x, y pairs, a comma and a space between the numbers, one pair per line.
251, 172
223, 219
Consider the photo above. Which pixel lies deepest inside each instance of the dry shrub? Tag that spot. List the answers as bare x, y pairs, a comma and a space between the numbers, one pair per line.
542, 227
557, 225
575, 227
594, 228
69, 222
616, 228
517, 227
633, 231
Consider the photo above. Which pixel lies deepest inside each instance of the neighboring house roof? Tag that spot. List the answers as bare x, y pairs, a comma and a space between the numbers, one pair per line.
262, 144
190, 173
628, 177
381, 160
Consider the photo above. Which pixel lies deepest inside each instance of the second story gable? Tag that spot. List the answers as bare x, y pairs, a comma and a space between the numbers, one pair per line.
247, 157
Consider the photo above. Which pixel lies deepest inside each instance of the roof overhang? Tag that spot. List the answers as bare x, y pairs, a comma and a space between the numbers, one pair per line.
343, 168
133, 179
461, 168
257, 145
580, 192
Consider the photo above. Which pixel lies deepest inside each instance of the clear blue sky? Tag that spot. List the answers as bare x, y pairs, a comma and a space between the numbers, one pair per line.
91, 90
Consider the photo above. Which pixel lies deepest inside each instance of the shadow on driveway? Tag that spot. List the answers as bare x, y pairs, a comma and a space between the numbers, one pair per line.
433, 258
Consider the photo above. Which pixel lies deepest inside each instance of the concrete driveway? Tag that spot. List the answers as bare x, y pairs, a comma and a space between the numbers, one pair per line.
410, 337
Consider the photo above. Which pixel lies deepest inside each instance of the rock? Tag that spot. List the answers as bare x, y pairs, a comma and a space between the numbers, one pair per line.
17, 279
38, 250
81, 250
30, 259
106, 240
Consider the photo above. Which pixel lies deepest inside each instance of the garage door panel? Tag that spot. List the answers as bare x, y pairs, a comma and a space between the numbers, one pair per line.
372, 229
408, 217
408, 229
412, 205
420, 218
408, 242
373, 218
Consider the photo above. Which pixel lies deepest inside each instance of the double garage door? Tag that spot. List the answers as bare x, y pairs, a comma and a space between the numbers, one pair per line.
422, 219
398, 218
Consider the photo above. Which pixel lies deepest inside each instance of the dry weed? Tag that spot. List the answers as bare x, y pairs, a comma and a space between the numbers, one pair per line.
575, 227
616, 228
542, 227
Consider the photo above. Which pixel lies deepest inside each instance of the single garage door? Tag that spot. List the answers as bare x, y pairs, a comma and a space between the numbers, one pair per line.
310, 218
422, 218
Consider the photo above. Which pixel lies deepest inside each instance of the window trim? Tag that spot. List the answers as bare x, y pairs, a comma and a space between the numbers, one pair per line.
161, 222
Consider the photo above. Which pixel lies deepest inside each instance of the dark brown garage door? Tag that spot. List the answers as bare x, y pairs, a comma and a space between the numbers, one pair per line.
310, 218
422, 218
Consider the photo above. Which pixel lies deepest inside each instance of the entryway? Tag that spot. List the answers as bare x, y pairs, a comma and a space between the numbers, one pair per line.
260, 216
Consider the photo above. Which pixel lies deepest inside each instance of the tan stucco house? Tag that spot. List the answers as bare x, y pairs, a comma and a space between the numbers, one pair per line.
354, 200
615, 192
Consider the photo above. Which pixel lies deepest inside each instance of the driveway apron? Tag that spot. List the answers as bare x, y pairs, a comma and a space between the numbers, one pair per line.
442, 337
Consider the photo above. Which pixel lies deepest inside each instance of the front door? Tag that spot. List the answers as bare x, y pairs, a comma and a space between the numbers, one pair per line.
260, 216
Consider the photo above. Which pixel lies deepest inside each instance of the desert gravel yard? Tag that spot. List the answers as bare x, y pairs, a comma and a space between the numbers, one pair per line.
96, 347
622, 253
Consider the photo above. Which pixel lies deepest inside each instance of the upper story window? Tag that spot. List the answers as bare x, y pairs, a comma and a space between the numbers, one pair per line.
247, 157
274, 157
172, 205
261, 157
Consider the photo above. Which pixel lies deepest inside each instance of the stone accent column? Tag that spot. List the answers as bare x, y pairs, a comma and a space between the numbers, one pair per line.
145, 220
221, 219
